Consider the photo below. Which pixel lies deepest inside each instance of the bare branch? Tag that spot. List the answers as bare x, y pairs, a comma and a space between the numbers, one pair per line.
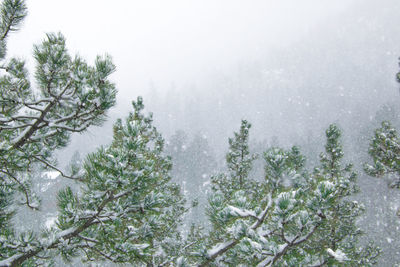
22, 186
56, 169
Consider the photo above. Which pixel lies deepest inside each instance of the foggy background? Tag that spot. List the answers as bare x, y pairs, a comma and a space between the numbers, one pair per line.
289, 67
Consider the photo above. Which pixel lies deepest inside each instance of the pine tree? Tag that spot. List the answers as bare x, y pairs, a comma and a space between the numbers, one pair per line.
338, 232
293, 218
384, 149
385, 153
132, 209
36, 121
126, 210
239, 163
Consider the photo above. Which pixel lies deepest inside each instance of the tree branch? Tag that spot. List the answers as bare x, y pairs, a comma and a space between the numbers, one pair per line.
22, 186
19, 258
56, 169
221, 248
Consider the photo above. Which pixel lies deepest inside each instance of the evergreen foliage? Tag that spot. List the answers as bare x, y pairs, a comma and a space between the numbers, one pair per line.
384, 148
385, 153
34, 122
132, 209
239, 162
292, 218
128, 211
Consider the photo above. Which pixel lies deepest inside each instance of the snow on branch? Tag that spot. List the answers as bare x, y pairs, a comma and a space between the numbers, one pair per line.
338, 255
221, 248
60, 237
242, 213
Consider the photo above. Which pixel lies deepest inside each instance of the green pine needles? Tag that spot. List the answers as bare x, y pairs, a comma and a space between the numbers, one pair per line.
126, 209
385, 153
292, 218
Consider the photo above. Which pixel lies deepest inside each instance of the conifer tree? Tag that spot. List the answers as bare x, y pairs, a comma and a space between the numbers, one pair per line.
385, 153
296, 218
384, 149
126, 210
71, 96
239, 162
132, 209
338, 232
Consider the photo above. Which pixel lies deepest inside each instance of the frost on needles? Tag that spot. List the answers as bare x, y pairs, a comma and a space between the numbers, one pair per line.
127, 210
292, 217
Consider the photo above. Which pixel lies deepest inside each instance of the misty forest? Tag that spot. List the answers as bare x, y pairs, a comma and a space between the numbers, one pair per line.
270, 145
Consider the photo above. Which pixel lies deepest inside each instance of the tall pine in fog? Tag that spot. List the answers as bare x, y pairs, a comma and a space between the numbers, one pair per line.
385, 153
239, 163
339, 231
384, 149
293, 217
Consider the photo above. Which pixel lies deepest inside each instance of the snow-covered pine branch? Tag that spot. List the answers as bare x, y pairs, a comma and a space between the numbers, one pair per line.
304, 216
127, 208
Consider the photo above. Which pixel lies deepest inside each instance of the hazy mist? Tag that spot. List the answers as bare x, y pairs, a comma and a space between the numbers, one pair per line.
289, 67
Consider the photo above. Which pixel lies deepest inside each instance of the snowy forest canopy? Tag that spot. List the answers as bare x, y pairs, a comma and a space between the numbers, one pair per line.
292, 188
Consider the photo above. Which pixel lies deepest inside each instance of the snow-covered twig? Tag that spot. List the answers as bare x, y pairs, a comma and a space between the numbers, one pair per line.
221, 248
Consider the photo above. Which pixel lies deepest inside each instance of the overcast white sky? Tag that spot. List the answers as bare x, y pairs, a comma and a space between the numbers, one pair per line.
183, 41
169, 41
